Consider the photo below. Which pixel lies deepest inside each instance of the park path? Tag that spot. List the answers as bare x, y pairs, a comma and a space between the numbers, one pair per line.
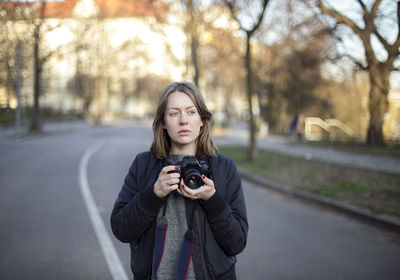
285, 145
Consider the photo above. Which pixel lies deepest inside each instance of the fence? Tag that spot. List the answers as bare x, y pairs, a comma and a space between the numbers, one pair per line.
317, 129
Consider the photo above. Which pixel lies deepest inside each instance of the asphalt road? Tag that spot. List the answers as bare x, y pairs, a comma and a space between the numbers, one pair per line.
47, 233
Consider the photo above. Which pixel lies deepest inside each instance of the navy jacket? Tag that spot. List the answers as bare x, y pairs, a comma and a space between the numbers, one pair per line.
219, 226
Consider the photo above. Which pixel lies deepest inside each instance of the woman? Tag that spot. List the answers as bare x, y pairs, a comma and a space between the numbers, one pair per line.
175, 231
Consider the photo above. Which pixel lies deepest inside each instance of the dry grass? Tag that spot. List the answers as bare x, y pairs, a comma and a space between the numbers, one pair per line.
377, 191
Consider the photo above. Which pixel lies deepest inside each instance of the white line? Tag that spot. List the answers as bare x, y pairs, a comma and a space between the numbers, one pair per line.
110, 254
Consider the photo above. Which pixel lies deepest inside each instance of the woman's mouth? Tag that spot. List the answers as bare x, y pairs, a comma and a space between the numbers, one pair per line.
184, 132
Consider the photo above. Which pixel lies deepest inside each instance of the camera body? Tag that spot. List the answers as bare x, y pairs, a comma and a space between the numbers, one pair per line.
191, 170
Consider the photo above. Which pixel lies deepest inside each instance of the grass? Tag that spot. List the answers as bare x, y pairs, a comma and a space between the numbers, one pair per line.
391, 148
376, 191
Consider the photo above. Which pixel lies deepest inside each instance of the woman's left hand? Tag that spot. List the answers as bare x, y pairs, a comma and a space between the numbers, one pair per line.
204, 192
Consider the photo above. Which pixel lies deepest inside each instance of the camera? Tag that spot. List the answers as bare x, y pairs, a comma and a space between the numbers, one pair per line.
191, 170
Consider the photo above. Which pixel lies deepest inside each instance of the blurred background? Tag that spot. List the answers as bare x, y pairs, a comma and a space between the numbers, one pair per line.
259, 63
305, 97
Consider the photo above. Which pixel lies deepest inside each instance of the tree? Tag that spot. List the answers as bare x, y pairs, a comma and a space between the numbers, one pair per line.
194, 38
290, 67
38, 63
249, 32
289, 87
83, 84
40, 57
222, 60
13, 52
378, 69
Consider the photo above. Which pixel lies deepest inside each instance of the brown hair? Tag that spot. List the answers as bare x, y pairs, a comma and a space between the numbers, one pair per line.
162, 142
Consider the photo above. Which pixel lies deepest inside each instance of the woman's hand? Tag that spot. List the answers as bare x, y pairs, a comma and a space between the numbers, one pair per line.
204, 192
166, 182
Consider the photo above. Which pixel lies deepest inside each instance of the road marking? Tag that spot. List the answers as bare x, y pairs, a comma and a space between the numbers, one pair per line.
110, 254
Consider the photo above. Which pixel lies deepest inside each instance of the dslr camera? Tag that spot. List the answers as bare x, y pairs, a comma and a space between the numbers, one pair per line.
191, 170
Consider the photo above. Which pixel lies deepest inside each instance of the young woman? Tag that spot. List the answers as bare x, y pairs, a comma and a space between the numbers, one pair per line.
176, 231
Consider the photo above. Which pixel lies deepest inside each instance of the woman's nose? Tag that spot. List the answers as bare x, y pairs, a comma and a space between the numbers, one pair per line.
183, 119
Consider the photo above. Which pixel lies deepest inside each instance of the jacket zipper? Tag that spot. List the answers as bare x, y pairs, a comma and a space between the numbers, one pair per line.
201, 246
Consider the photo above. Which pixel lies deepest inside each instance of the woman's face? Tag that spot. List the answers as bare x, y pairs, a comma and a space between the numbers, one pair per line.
183, 123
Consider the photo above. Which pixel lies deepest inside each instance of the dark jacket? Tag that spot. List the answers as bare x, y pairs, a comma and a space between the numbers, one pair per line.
219, 223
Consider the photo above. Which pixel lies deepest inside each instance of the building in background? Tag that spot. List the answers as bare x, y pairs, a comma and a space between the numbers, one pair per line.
391, 128
100, 50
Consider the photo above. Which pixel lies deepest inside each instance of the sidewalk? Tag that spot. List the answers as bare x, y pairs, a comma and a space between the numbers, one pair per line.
284, 145
18, 133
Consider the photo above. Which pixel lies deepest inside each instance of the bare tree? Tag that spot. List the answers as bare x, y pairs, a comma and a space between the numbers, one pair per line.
38, 63
234, 8
82, 85
379, 70
192, 12
13, 52
289, 68
40, 57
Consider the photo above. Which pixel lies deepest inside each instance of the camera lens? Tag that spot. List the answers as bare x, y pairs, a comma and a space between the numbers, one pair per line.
193, 180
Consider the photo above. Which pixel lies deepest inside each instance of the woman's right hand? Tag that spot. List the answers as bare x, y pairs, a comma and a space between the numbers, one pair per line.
166, 182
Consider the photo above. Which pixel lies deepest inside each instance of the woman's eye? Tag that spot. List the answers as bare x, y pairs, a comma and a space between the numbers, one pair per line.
192, 112
173, 114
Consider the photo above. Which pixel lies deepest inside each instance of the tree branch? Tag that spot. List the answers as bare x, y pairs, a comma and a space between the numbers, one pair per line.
359, 64
44, 59
374, 9
396, 44
340, 18
393, 50
363, 6
260, 18
231, 7
387, 46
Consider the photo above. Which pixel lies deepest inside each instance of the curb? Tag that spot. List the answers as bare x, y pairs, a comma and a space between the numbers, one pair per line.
382, 220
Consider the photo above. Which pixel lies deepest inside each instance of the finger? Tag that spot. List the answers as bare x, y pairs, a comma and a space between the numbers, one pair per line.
182, 191
207, 181
174, 175
189, 191
168, 168
173, 181
179, 190
183, 188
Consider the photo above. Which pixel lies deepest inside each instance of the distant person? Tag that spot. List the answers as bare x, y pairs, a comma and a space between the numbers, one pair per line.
186, 225
300, 127
293, 125
297, 126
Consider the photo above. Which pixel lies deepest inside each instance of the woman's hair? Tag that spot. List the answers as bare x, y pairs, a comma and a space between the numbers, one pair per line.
162, 143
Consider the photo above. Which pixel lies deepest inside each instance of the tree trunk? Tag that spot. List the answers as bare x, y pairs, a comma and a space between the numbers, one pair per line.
18, 82
378, 104
35, 120
194, 43
252, 156
195, 62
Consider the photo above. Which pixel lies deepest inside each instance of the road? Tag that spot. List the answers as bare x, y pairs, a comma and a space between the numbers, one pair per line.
47, 233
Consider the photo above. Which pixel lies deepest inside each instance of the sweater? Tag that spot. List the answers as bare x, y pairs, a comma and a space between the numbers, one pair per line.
177, 227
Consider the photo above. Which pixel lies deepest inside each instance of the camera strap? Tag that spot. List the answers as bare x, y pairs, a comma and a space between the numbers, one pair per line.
159, 242
187, 248
159, 245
